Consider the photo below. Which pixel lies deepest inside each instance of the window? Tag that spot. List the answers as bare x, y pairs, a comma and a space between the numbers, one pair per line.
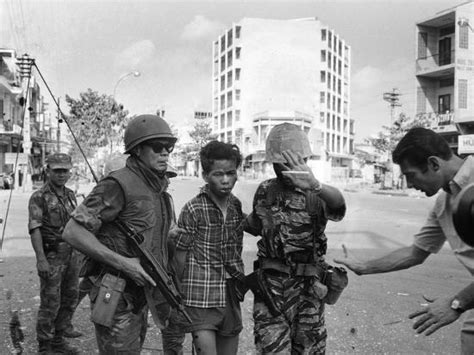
237, 115
339, 105
339, 67
223, 63
216, 123
464, 36
338, 123
237, 74
422, 45
323, 76
237, 52
328, 121
443, 83
462, 87
329, 81
322, 97
222, 102
444, 103
229, 59
222, 137
339, 86
229, 119
222, 121
329, 39
237, 31
222, 82
229, 99
237, 95
339, 49
223, 43
321, 116
345, 126
323, 56
446, 31
333, 122
329, 60
328, 102
323, 35
229, 79
229, 38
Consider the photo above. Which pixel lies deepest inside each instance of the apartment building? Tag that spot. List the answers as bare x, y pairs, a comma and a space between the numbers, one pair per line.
41, 139
445, 74
267, 72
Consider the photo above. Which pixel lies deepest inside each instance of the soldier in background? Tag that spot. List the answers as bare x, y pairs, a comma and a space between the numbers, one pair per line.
290, 212
49, 210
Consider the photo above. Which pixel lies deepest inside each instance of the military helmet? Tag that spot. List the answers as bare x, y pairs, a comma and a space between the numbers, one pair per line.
286, 136
145, 127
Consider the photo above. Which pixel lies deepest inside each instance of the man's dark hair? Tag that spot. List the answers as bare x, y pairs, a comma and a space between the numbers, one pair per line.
216, 150
418, 145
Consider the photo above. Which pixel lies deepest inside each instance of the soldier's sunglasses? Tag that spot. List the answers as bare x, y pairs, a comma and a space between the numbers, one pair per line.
158, 146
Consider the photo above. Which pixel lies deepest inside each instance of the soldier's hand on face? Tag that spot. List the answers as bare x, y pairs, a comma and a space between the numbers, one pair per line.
135, 271
44, 269
298, 172
351, 262
434, 316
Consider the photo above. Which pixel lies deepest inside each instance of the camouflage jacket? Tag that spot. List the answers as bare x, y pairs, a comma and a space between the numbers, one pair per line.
50, 211
290, 221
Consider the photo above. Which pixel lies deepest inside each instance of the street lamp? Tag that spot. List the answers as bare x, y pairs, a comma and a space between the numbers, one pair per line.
123, 77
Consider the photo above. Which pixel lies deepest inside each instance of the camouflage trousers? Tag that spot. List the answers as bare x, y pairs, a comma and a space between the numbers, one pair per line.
58, 294
128, 331
300, 328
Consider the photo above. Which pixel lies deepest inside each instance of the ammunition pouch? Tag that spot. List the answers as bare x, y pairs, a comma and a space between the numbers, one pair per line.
105, 305
336, 281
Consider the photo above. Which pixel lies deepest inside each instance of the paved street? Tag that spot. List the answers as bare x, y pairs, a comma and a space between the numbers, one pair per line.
371, 316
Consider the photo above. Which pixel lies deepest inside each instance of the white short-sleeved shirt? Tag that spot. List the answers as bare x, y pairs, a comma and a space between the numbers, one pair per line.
439, 226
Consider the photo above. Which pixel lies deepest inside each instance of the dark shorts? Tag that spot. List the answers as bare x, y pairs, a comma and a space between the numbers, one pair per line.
226, 321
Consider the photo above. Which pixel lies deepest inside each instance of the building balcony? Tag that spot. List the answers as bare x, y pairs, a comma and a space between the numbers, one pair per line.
437, 65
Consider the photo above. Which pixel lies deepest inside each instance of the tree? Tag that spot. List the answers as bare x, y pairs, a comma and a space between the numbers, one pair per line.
97, 120
201, 134
386, 141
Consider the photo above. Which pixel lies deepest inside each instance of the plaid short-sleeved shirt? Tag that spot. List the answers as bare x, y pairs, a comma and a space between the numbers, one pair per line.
214, 247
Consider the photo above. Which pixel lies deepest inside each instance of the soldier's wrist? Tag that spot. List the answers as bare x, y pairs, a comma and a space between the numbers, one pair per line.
315, 187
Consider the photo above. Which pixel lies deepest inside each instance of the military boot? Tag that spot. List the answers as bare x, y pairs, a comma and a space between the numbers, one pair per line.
60, 346
44, 347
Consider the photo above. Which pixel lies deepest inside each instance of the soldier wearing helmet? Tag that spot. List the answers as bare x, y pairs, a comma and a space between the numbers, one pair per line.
134, 194
290, 213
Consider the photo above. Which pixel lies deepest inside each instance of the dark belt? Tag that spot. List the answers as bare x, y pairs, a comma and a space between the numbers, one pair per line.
297, 269
56, 245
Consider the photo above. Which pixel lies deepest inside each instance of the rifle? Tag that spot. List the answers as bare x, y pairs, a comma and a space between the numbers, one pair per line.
149, 263
153, 268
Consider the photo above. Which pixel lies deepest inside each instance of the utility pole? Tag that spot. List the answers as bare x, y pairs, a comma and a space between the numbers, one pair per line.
25, 63
393, 98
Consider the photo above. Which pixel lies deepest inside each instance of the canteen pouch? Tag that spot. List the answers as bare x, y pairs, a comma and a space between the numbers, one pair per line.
107, 300
336, 281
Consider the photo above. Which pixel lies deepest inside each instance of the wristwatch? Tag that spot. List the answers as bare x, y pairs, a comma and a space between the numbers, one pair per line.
456, 305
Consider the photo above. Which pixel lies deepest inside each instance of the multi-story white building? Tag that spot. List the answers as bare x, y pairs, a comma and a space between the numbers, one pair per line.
266, 72
445, 73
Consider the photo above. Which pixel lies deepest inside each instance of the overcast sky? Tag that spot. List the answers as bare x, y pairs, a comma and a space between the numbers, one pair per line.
91, 44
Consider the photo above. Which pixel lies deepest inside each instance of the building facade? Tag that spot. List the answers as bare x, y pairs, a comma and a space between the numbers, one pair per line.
267, 72
445, 73
38, 136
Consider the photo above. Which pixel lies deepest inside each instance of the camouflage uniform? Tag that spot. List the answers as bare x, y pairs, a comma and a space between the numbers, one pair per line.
50, 212
292, 225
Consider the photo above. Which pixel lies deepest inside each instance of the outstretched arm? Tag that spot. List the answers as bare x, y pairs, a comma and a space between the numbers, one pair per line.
399, 259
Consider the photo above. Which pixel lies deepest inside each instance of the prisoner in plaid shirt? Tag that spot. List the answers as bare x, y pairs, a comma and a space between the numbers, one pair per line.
209, 252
